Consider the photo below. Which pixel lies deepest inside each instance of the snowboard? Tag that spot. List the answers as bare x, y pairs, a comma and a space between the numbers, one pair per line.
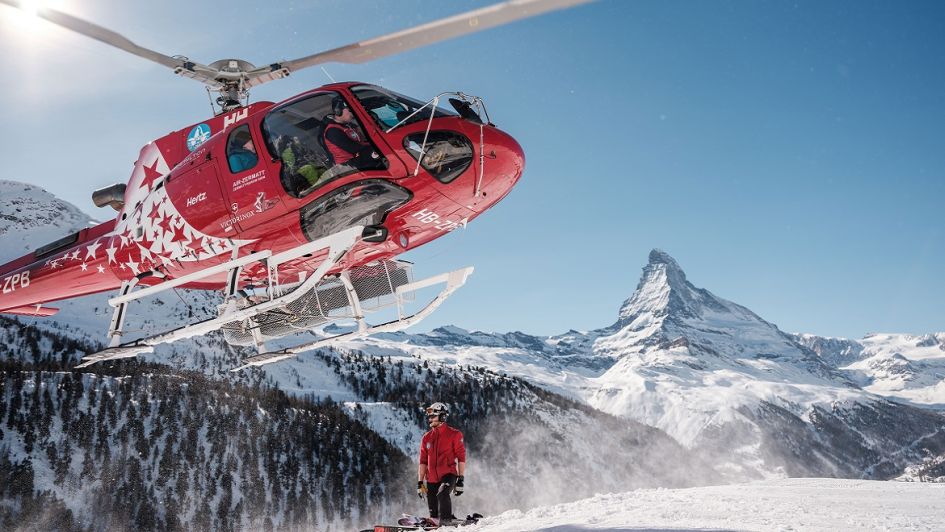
410, 523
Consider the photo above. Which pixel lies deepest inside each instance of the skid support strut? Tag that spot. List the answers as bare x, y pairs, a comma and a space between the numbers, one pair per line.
337, 244
118, 316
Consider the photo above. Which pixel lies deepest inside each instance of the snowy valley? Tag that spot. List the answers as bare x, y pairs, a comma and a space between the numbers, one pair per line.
684, 389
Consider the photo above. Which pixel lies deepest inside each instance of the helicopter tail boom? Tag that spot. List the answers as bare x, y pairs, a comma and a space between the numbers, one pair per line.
75, 265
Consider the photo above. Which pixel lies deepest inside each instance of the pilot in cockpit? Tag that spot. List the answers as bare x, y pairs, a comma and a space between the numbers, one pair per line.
344, 140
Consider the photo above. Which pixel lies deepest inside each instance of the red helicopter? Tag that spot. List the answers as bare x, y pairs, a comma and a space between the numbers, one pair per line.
269, 203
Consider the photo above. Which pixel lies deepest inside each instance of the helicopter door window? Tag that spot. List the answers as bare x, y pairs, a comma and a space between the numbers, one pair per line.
297, 134
240, 150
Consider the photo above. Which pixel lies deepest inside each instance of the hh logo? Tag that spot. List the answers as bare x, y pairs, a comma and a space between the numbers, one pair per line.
235, 117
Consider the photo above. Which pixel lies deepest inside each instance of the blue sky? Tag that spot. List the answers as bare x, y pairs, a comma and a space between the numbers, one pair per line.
790, 155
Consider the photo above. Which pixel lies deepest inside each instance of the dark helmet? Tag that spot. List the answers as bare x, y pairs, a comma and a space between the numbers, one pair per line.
240, 137
338, 105
438, 409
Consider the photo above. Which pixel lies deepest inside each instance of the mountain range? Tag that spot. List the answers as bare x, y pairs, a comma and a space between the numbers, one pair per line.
684, 388
753, 400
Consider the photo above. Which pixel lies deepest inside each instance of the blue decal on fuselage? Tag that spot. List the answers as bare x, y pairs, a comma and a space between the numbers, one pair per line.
198, 135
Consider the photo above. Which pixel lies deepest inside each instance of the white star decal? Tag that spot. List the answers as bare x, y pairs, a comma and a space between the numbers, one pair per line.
84, 266
133, 265
75, 255
91, 249
101, 269
111, 249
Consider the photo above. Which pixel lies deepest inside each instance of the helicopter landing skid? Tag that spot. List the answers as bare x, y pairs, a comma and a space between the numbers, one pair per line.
337, 244
453, 281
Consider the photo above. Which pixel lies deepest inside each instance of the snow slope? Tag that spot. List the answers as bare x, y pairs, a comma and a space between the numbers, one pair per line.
788, 504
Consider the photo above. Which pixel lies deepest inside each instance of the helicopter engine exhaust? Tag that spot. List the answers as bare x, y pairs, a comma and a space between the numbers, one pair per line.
112, 196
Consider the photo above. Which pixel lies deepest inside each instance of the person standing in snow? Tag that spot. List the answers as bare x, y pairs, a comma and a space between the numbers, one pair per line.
442, 464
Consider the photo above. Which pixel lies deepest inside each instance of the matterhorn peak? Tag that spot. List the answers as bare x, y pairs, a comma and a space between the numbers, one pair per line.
664, 296
663, 262
658, 256
663, 286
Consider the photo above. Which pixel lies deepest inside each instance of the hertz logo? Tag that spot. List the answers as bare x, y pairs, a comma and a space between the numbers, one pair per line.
196, 199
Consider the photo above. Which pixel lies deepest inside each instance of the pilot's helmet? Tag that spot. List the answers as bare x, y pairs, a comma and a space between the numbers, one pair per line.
338, 105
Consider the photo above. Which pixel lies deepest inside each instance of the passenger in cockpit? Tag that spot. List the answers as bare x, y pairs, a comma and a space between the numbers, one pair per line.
299, 161
241, 153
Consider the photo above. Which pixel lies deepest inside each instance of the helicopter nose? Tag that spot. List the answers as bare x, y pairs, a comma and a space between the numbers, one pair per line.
503, 162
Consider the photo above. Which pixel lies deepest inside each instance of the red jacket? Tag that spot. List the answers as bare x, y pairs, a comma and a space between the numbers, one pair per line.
440, 449
343, 142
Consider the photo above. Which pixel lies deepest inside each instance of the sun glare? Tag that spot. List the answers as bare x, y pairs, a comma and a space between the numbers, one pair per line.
26, 19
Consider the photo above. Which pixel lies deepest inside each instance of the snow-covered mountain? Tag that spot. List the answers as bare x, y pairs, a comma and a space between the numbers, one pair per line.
720, 379
909, 368
29, 214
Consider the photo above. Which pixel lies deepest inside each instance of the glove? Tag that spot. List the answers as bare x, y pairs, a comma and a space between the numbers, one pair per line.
458, 488
421, 489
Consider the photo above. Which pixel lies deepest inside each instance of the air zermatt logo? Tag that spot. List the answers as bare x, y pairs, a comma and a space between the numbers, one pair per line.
198, 135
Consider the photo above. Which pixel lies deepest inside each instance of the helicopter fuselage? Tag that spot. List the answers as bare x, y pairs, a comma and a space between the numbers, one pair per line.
260, 178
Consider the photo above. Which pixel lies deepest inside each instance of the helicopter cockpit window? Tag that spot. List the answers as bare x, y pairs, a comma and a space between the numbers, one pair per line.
297, 134
240, 150
388, 108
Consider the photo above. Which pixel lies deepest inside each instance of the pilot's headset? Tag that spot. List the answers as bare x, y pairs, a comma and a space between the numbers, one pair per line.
338, 105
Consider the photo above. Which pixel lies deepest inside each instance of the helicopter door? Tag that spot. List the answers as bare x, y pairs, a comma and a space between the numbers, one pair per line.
196, 196
249, 182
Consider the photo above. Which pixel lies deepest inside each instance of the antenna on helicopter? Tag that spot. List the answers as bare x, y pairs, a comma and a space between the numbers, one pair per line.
329, 75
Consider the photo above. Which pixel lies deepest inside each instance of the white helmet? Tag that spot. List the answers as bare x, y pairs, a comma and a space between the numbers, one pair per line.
438, 409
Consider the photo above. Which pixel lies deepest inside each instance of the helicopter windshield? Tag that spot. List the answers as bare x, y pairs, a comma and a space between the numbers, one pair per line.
388, 108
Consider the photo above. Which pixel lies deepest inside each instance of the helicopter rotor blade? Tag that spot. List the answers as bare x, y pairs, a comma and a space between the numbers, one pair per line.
429, 33
234, 76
